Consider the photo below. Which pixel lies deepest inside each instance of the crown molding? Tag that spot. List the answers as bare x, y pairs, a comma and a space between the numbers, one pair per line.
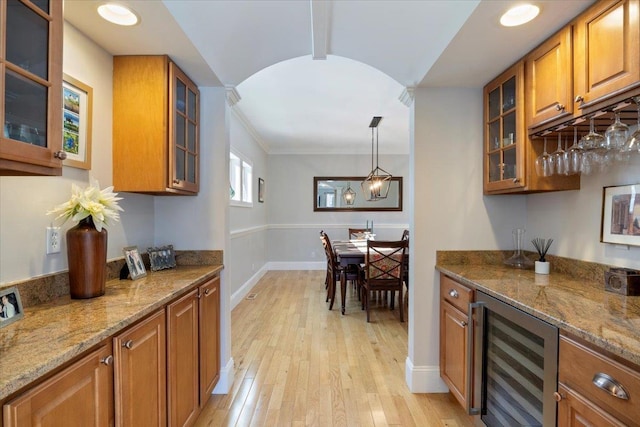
244, 121
407, 96
232, 95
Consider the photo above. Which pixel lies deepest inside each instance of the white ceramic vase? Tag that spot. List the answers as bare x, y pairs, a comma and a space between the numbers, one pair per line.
542, 267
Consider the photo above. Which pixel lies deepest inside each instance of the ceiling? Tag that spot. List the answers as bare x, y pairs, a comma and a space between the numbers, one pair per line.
369, 52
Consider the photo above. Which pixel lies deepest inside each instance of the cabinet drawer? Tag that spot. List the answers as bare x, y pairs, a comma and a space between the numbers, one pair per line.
455, 293
578, 365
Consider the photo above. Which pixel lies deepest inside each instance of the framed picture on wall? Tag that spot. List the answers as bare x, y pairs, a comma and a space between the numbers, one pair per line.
77, 110
621, 215
260, 190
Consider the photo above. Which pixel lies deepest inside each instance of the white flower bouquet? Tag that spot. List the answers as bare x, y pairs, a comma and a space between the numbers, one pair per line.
101, 205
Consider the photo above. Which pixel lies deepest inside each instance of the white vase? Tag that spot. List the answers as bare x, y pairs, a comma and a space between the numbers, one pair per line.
542, 267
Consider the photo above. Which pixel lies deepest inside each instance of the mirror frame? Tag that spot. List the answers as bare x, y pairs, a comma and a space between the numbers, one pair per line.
357, 179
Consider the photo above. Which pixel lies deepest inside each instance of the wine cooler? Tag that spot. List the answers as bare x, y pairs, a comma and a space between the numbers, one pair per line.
515, 366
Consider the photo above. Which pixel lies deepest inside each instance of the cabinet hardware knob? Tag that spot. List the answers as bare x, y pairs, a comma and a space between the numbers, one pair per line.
107, 360
579, 99
128, 344
453, 293
516, 180
60, 155
207, 291
463, 324
559, 107
610, 385
557, 396
176, 181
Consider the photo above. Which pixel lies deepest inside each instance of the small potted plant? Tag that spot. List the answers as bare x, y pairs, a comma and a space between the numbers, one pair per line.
542, 247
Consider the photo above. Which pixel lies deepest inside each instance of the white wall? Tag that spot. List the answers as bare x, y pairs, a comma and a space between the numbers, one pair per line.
293, 224
573, 218
24, 201
450, 212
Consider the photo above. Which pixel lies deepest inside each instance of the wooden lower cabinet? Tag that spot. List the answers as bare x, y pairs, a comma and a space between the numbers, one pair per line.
209, 338
454, 337
140, 373
80, 395
576, 411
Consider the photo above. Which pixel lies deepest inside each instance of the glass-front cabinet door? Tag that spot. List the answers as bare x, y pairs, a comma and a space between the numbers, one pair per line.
184, 153
31, 87
504, 131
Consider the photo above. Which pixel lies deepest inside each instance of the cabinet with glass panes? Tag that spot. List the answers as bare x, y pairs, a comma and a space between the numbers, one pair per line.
31, 87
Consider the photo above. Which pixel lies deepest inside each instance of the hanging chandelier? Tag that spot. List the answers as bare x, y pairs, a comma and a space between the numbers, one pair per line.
376, 185
348, 195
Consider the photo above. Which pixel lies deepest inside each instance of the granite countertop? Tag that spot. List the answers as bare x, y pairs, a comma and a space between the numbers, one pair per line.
574, 304
51, 334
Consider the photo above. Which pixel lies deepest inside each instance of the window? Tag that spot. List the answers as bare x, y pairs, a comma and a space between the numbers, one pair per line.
240, 181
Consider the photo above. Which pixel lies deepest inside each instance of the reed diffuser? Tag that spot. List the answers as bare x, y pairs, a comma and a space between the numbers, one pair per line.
542, 247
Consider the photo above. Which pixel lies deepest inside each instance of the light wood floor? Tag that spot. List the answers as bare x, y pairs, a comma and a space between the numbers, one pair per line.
299, 364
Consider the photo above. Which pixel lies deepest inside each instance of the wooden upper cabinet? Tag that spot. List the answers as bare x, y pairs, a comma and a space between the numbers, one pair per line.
155, 127
607, 51
80, 395
549, 79
30, 87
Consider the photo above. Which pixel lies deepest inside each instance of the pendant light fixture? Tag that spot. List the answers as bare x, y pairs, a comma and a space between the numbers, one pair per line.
376, 185
348, 195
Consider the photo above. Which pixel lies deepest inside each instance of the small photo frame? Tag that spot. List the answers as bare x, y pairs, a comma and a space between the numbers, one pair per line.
10, 306
134, 262
260, 190
621, 215
77, 110
162, 257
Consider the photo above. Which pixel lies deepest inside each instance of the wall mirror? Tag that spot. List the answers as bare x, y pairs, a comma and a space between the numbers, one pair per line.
328, 194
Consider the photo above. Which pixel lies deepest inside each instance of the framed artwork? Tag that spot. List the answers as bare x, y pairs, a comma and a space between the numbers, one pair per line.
77, 110
260, 190
10, 306
134, 262
621, 215
162, 257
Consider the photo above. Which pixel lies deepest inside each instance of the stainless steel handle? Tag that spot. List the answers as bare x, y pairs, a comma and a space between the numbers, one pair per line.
453, 293
60, 155
559, 107
579, 99
610, 385
107, 360
471, 410
128, 344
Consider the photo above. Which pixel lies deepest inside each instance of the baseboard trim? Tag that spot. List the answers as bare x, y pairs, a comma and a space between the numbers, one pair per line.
246, 288
302, 265
424, 379
226, 378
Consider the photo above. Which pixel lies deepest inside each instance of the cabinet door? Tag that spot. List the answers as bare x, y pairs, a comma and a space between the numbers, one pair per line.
453, 350
183, 151
504, 133
31, 87
140, 370
575, 411
607, 50
81, 395
209, 338
549, 79
182, 360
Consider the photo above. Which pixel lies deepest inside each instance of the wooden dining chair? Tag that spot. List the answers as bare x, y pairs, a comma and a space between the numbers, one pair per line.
357, 233
384, 271
334, 270
405, 236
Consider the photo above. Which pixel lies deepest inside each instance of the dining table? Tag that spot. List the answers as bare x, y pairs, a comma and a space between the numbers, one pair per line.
352, 253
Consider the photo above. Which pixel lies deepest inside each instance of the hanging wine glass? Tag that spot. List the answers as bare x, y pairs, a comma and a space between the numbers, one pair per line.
633, 143
557, 158
592, 139
573, 155
544, 164
616, 134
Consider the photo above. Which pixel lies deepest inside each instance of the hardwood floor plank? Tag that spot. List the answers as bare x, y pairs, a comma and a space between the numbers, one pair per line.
299, 364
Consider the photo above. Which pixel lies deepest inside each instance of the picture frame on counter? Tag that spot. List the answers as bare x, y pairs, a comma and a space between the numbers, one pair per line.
162, 257
77, 118
621, 215
134, 262
10, 306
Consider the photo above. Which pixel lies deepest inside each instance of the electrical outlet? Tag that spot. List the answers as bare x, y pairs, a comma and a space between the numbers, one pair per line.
53, 240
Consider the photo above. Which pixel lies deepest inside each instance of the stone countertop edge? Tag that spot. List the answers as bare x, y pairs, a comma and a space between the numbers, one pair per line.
575, 305
52, 334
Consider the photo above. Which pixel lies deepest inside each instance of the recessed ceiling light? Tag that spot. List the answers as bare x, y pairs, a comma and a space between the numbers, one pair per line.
118, 14
519, 15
